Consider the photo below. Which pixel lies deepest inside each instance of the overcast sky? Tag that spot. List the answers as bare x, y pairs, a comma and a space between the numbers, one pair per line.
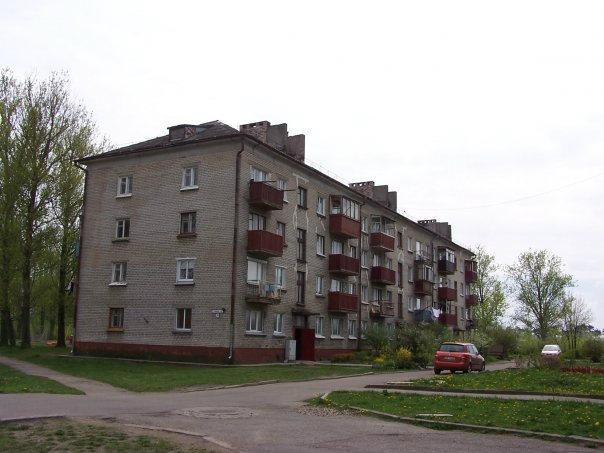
462, 107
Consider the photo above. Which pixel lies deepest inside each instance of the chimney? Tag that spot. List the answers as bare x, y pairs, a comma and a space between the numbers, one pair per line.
183, 131
441, 228
277, 137
364, 188
376, 193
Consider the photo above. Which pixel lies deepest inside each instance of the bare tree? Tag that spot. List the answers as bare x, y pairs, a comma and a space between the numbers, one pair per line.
576, 316
489, 289
539, 284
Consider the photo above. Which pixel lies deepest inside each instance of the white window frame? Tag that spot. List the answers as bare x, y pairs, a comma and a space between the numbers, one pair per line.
336, 321
364, 259
262, 174
320, 327
352, 329
280, 278
321, 205
320, 285
128, 188
278, 328
256, 220
364, 294
334, 247
193, 183
257, 326
282, 185
185, 280
263, 265
320, 245
123, 221
184, 319
364, 327
123, 273
409, 244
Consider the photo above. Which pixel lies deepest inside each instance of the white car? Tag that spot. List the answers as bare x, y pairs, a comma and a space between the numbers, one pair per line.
551, 350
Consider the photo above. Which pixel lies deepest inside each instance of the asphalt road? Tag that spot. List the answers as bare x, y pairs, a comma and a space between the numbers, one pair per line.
264, 418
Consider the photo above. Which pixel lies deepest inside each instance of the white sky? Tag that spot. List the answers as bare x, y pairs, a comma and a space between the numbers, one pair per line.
453, 104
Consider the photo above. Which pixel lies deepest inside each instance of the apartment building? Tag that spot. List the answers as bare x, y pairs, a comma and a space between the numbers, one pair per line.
217, 244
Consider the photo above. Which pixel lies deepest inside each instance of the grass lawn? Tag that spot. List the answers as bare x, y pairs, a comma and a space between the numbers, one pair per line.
13, 381
71, 437
148, 377
529, 380
566, 418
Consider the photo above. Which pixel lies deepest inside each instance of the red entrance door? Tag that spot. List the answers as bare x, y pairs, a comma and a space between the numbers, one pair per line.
305, 344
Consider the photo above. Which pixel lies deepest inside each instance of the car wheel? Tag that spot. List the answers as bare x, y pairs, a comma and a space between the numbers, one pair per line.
484, 366
437, 371
467, 370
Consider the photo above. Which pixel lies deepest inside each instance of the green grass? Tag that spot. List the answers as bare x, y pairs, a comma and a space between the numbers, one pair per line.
148, 377
528, 380
558, 417
71, 437
13, 381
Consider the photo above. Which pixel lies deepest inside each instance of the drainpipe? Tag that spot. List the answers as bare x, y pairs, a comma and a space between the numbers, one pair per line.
360, 284
79, 260
231, 357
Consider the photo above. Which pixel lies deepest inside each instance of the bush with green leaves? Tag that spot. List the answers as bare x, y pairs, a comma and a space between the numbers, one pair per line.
504, 339
377, 338
593, 349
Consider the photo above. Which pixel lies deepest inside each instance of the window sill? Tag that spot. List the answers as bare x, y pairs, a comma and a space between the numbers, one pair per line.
186, 189
121, 240
186, 235
320, 337
365, 267
352, 338
301, 261
321, 215
364, 302
254, 334
278, 335
115, 329
126, 195
336, 337
181, 331
118, 284
184, 284
302, 207
321, 255
322, 296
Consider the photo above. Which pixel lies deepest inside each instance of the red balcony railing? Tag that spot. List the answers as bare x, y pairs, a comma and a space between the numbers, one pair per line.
343, 264
342, 302
471, 300
381, 309
471, 271
447, 319
341, 225
264, 243
381, 241
446, 267
423, 287
265, 196
380, 274
446, 293
263, 293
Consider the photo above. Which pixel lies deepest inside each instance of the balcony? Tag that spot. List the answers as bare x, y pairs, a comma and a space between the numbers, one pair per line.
265, 196
382, 275
471, 271
423, 287
262, 293
381, 309
423, 257
448, 319
471, 300
381, 241
446, 267
344, 226
342, 302
264, 244
343, 264
446, 293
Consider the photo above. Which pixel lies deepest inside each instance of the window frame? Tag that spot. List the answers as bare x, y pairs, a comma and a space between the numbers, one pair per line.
320, 333
262, 265
129, 180
194, 178
282, 185
320, 241
302, 197
192, 222
123, 273
339, 322
111, 326
321, 203
125, 227
278, 325
320, 286
352, 329
300, 288
301, 242
259, 321
280, 282
187, 313
186, 280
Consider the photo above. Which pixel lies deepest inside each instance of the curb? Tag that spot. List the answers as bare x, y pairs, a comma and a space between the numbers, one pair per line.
468, 427
478, 391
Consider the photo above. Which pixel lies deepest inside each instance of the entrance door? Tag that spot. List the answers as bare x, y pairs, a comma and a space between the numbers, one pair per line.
305, 343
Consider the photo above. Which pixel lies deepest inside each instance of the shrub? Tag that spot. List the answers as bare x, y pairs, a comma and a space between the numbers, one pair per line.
593, 349
344, 358
403, 358
377, 339
505, 341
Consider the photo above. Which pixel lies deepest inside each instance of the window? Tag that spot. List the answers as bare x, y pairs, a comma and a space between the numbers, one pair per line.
389, 296
389, 263
278, 324
352, 329
122, 229
116, 318
188, 222
353, 251
400, 305
189, 178
183, 319
321, 206
282, 185
364, 224
336, 327
320, 245
319, 327
320, 285
409, 244
301, 245
302, 197
256, 271
256, 222
258, 175
415, 303
253, 321
410, 274
124, 186
300, 287
279, 276
399, 239
280, 229
184, 270
364, 293
336, 247
377, 294
364, 259
343, 205
118, 275
364, 326
400, 274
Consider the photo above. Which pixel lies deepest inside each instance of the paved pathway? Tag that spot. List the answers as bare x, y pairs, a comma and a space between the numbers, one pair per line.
265, 418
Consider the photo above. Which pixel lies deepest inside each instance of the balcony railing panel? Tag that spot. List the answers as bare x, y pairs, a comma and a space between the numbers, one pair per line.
382, 309
342, 302
446, 267
343, 264
471, 271
381, 241
423, 287
344, 226
446, 293
265, 196
263, 292
380, 274
448, 319
264, 243
471, 300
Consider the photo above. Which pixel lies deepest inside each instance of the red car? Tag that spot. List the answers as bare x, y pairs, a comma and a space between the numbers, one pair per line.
458, 357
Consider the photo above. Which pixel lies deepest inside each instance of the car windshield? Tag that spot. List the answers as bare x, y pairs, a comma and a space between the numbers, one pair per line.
550, 347
452, 347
